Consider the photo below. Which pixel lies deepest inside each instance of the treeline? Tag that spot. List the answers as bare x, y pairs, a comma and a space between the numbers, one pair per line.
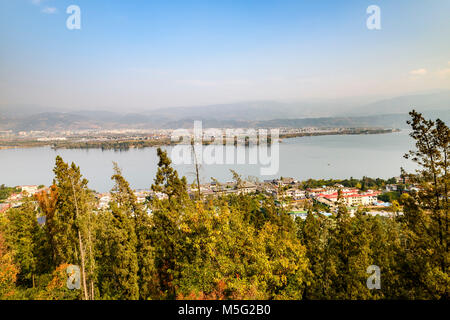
5, 192
340, 132
233, 247
363, 184
118, 145
123, 145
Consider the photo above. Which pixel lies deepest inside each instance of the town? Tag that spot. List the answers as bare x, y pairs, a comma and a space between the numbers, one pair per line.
293, 195
125, 138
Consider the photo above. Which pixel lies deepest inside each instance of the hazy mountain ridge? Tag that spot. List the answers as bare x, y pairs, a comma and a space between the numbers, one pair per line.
404, 104
62, 122
383, 113
269, 110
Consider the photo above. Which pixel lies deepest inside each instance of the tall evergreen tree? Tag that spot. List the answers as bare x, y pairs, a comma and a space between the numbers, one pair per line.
167, 237
349, 247
167, 180
426, 211
118, 260
72, 233
28, 243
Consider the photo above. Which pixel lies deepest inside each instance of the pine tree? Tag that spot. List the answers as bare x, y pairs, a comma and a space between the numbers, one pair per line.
426, 211
167, 180
71, 228
142, 228
314, 233
47, 204
27, 241
118, 261
350, 255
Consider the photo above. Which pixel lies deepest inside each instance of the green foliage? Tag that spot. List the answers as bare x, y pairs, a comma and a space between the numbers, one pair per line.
364, 183
69, 226
389, 196
117, 243
27, 241
117, 258
5, 192
426, 211
167, 180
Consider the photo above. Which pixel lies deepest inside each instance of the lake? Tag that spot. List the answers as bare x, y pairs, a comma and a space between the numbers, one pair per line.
334, 156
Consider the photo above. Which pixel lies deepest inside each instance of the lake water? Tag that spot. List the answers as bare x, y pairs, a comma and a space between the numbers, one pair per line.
337, 156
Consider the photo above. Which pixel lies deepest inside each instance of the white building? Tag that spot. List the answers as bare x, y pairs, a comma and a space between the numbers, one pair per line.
31, 190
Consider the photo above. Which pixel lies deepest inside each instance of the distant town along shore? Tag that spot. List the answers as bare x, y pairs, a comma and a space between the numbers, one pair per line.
141, 138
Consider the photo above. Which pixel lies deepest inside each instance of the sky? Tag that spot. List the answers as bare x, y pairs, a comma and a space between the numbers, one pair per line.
135, 55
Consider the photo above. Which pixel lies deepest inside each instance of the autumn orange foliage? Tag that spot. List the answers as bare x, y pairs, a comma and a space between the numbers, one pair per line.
8, 271
47, 200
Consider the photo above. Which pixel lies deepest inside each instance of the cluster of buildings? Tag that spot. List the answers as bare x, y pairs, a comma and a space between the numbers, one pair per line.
350, 197
88, 135
141, 196
15, 199
286, 191
283, 189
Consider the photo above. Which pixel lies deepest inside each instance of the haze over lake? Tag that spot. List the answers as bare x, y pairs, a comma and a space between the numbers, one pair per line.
334, 156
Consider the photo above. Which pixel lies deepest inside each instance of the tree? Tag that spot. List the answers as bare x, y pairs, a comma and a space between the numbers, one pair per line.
237, 179
285, 256
197, 171
349, 246
142, 225
56, 288
117, 258
386, 236
8, 272
126, 256
314, 233
395, 207
27, 241
167, 236
167, 180
71, 227
426, 211
47, 203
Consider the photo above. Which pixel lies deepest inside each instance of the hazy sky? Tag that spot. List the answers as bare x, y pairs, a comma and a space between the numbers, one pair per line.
148, 54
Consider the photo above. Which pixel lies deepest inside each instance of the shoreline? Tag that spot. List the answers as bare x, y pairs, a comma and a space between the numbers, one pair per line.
126, 144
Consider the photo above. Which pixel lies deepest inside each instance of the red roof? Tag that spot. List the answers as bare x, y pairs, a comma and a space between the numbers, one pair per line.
347, 195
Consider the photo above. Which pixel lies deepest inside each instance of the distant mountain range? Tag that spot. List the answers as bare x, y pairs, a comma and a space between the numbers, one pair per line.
383, 113
269, 110
404, 104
